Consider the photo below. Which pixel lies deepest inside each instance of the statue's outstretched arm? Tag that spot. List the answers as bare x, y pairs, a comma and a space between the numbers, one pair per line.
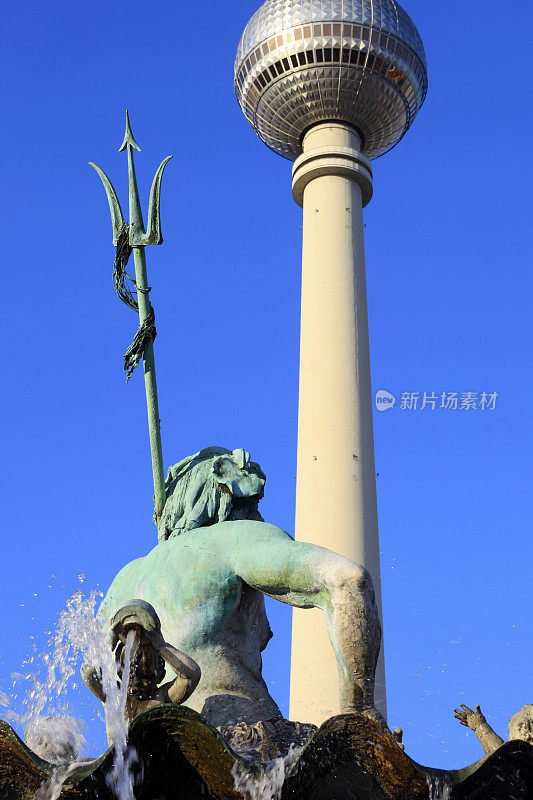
299, 574
475, 720
308, 576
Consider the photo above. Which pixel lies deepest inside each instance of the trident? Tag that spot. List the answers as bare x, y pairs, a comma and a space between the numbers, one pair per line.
128, 237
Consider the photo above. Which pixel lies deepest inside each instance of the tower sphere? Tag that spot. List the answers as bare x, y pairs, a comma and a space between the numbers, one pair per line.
301, 62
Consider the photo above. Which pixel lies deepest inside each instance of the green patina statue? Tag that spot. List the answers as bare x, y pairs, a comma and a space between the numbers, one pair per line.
206, 578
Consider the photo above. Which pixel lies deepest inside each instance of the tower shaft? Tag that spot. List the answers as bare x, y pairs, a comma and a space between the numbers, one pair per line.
336, 504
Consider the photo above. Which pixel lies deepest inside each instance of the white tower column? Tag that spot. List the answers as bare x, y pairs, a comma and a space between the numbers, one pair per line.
336, 503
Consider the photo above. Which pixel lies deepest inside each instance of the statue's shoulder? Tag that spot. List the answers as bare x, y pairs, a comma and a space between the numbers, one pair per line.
129, 568
214, 540
248, 528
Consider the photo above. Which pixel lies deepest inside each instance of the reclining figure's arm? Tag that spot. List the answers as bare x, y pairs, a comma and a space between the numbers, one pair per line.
476, 721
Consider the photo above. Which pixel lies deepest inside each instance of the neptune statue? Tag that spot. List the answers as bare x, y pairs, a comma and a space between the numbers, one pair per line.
215, 560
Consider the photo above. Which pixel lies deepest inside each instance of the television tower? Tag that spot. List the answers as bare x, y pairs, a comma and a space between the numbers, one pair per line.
330, 85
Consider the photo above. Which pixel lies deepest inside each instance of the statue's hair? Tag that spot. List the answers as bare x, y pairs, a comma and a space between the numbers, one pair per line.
194, 498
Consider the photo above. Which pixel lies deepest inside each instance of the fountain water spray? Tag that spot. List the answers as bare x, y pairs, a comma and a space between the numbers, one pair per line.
121, 778
438, 789
50, 729
267, 784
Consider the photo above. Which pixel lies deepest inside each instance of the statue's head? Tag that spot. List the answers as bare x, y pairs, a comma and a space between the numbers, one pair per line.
212, 486
521, 725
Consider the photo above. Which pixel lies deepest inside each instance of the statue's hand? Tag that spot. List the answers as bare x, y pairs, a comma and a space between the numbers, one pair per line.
471, 719
155, 637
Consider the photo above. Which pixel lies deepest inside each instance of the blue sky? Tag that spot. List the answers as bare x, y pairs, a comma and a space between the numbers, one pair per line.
449, 286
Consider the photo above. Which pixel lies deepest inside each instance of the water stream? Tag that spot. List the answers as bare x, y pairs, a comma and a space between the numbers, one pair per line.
268, 784
438, 789
40, 707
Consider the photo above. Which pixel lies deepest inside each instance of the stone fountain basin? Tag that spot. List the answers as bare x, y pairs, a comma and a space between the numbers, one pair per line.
348, 758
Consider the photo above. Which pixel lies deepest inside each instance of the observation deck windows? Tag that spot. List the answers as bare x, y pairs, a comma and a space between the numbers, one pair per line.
394, 61
358, 45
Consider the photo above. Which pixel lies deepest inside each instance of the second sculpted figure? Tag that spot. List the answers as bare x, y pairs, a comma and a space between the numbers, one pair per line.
520, 726
150, 657
206, 578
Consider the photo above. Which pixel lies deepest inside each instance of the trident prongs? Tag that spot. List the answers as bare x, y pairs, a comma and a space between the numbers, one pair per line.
117, 218
138, 239
153, 234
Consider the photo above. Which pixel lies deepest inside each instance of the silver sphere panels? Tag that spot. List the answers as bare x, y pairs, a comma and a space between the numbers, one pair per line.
300, 62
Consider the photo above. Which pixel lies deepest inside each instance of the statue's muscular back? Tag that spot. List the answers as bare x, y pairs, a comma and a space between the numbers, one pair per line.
209, 613
205, 578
